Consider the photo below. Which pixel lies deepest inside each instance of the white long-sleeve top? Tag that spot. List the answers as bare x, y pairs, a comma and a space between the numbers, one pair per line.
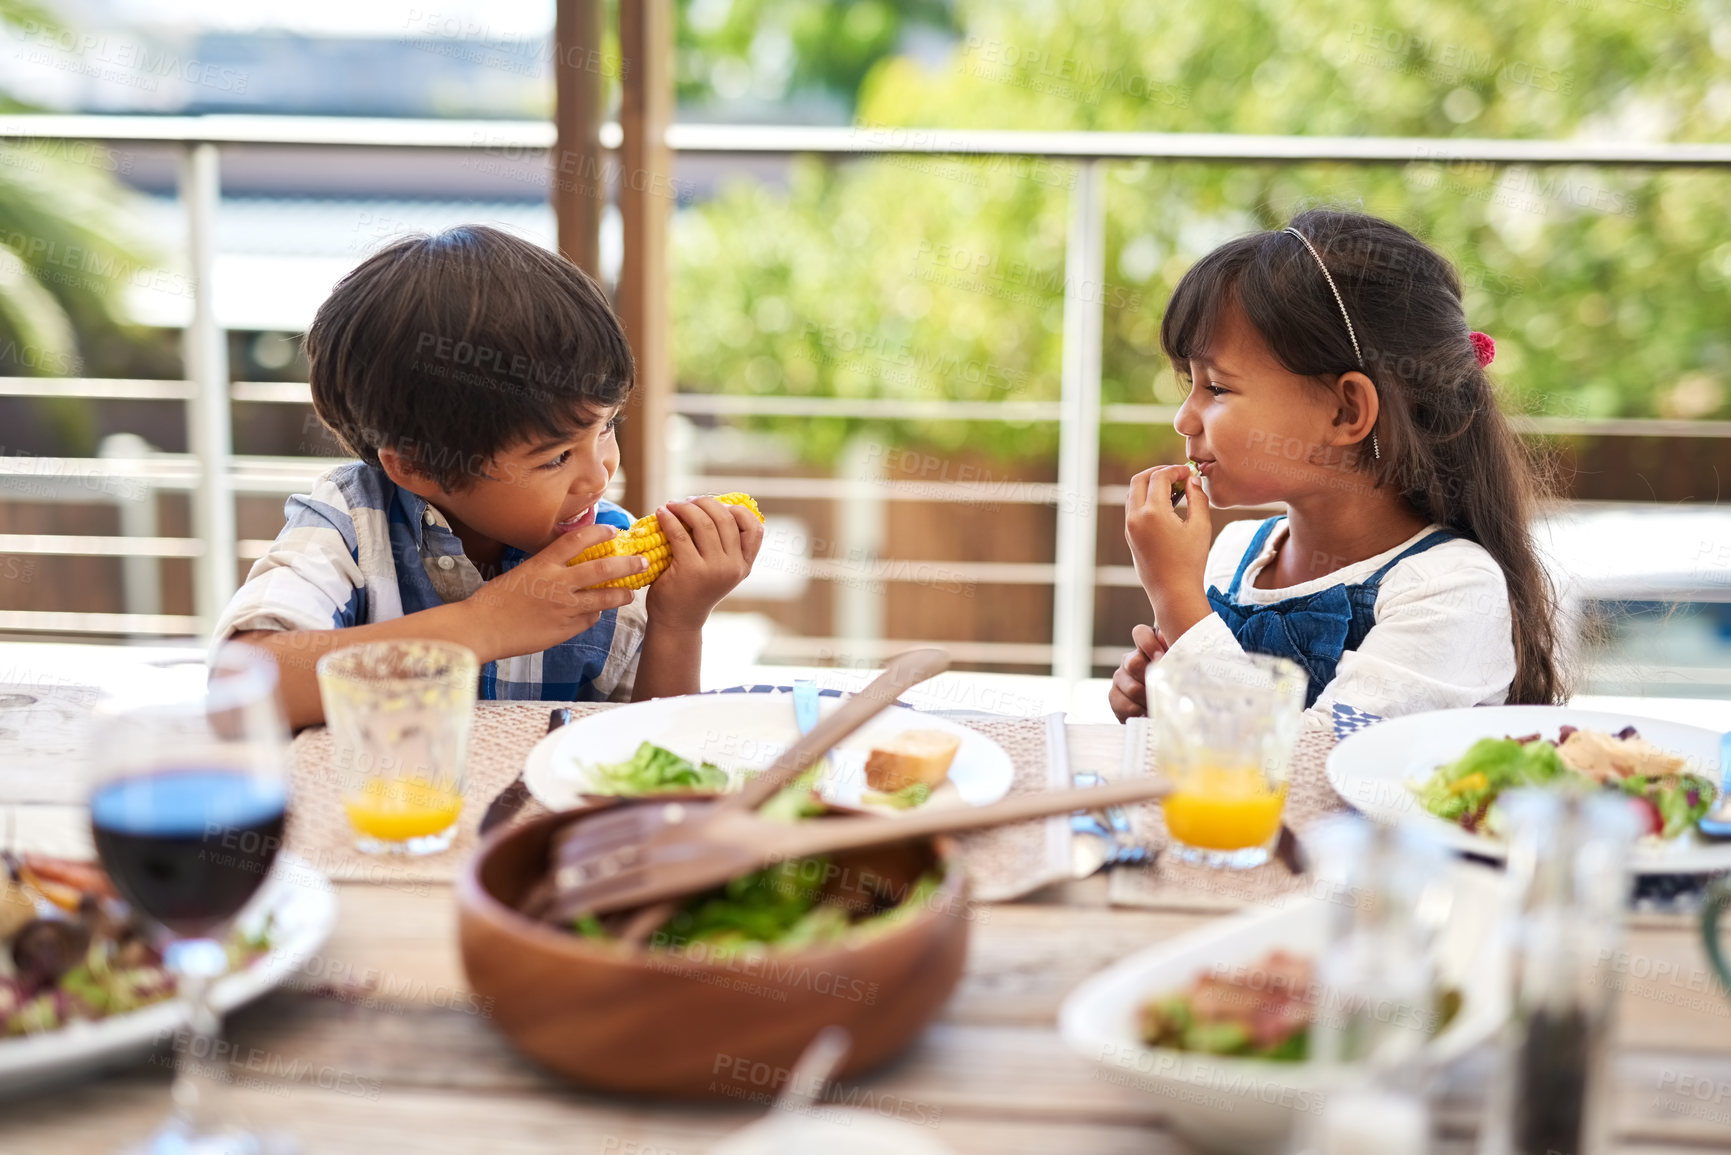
1443, 636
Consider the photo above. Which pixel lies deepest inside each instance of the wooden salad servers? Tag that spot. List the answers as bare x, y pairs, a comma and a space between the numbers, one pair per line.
639, 823
600, 872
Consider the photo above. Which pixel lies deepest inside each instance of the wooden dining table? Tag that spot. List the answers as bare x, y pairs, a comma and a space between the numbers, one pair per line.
389, 1053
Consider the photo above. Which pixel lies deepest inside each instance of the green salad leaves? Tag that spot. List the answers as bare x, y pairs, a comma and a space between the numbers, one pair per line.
1678, 801
655, 770
909, 796
1465, 791
1170, 1022
784, 906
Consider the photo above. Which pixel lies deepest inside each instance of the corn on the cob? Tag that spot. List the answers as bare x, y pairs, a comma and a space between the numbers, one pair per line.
646, 539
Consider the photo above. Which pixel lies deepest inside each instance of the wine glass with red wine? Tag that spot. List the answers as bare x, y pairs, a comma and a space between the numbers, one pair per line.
187, 809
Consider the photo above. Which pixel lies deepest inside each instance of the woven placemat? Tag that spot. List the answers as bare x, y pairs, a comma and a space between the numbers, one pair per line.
1007, 862
1002, 863
1172, 882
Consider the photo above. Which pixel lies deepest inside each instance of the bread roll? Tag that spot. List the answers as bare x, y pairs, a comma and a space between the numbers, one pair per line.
911, 756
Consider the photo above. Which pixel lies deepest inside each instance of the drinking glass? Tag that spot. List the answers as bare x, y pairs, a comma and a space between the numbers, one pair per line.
399, 715
1223, 732
187, 810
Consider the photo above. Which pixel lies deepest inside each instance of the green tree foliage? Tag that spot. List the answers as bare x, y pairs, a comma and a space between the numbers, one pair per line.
1608, 290
734, 51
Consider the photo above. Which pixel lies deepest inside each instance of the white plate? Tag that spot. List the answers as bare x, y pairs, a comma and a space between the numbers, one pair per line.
1372, 767
1249, 1105
303, 906
741, 732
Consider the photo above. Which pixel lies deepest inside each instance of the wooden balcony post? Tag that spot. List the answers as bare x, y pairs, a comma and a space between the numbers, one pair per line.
646, 204
577, 177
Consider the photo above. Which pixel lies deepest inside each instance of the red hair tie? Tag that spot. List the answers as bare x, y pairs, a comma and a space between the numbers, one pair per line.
1484, 347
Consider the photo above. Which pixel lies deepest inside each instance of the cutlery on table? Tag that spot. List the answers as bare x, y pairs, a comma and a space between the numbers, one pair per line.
1126, 851
1108, 830
1090, 844
514, 797
811, 1075
806, 1086
1288, 851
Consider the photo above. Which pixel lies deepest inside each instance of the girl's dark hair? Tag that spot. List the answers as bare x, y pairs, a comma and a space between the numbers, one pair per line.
452, 348
1445, 445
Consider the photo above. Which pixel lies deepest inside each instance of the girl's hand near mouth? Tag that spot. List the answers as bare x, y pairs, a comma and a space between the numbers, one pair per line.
1181, 488
1170, 549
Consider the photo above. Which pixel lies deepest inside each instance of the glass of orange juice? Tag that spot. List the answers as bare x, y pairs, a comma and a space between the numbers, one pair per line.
400, 714
1223, 732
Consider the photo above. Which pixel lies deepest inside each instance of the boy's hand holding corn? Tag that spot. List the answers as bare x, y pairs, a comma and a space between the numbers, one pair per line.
543, 601
704, 548
711, 547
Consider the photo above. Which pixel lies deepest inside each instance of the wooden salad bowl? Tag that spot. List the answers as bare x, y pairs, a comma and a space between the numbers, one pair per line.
677, 1023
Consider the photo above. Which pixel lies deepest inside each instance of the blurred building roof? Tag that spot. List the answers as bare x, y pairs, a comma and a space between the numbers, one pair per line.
430, 66
277, 258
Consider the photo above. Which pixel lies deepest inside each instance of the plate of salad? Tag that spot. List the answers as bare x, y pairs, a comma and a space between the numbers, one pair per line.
82, 987
1452, 766
710, 743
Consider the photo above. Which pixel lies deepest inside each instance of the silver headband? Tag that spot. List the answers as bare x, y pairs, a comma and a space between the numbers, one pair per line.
1333, 289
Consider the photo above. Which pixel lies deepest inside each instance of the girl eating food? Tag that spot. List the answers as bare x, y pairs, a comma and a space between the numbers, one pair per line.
1331, 369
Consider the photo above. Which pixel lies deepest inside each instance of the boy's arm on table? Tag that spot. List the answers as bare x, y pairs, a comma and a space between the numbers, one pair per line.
533, 607
297, 651
668, 663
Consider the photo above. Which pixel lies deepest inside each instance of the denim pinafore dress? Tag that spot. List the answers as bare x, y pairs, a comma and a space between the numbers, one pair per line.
1313, 630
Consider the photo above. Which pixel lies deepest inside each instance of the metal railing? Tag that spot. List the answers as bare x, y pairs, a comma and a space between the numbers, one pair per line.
213, 474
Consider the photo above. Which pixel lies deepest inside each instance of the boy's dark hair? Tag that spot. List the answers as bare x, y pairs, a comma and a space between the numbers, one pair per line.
1445, 445
452, 348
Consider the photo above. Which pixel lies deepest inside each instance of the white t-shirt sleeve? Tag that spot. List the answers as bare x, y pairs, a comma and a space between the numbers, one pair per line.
1442, 639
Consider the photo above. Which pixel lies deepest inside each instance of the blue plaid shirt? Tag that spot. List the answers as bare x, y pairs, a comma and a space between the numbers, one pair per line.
358, 550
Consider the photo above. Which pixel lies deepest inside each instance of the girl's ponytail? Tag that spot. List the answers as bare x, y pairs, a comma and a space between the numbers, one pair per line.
1487, 485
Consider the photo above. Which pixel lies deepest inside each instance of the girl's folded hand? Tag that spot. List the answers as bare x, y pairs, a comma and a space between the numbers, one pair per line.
1129, 692
1170, 549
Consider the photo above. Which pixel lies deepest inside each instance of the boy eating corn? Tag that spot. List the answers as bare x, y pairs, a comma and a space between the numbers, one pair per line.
480, 379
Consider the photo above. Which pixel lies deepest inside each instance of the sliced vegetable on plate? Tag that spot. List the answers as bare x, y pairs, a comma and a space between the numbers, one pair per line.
75, 952
1466, 790
1263, 1011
